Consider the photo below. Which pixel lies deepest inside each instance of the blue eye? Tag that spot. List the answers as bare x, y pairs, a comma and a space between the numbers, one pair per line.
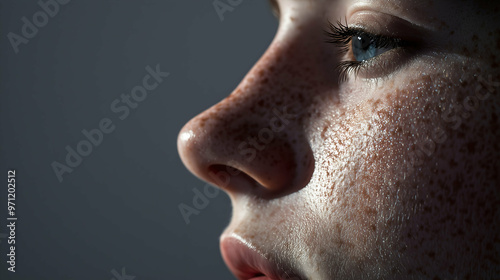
364, 47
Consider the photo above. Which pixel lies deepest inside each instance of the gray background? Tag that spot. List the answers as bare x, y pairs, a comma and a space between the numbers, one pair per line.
119, 208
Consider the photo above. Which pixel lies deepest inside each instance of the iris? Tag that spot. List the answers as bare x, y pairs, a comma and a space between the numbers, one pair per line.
364, 47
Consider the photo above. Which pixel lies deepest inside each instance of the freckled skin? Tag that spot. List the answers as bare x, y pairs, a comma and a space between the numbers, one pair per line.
390, 178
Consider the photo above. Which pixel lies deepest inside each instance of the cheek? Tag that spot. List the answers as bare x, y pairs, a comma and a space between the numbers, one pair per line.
398, 175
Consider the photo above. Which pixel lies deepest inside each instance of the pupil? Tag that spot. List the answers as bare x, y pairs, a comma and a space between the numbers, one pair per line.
363, 48
363, 43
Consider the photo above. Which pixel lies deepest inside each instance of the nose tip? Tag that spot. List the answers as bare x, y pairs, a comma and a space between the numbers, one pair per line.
194, 155
240, 156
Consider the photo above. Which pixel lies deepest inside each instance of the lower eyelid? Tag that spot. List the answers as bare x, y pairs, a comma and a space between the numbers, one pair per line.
384, 64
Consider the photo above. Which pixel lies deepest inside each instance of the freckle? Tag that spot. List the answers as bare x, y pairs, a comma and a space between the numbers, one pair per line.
203, 121
466, 51
375, 105
471, 146
370, 211
432, 254
292, 18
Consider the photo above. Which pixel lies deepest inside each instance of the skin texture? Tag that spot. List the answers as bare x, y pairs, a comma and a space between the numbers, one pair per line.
392, 173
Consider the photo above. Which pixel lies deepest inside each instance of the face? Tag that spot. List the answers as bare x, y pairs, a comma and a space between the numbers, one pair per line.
364, 144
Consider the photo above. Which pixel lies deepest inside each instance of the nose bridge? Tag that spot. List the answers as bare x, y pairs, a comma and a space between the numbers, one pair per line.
291, 73
285, 76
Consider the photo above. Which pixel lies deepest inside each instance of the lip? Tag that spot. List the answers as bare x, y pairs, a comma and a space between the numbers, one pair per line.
247, 263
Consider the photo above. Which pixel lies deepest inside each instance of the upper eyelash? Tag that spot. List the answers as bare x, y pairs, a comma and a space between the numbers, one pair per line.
341, 35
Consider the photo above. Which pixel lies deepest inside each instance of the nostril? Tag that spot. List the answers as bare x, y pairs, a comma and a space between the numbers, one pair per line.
231, 179
225, 170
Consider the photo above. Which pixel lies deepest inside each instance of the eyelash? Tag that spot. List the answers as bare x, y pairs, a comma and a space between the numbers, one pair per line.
341, 35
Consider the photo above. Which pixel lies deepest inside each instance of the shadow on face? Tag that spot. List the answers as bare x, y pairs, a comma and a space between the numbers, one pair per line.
364, 144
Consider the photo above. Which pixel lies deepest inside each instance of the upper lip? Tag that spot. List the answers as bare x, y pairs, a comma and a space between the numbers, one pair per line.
246, 262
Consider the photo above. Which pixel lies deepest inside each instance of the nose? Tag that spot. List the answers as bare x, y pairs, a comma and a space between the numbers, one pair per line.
254, 140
